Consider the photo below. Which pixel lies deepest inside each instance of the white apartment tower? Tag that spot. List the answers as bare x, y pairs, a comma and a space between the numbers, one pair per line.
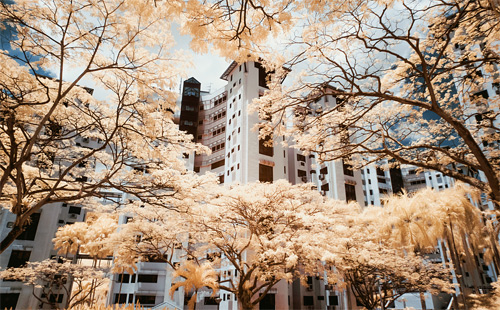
227, 127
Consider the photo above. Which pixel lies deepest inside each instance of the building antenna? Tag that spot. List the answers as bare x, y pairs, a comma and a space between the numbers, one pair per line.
209, 88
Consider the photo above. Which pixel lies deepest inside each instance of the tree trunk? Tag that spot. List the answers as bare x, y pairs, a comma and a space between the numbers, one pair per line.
11, 236
447, 260
245, 301
457, 264
245, 306
422, 300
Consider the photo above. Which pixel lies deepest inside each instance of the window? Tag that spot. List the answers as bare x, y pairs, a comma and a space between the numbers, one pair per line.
123, 278
347, 169
325, 187
301, 157
309, 283
145, 300
262, 75
56, 298
333, 300
147, 278
18, 258
350, 192
30, 229
265, 173
417, 182
301, 173
9, 300
210, 301
217, 164
266, 150
74, 210
308, 300
380, 172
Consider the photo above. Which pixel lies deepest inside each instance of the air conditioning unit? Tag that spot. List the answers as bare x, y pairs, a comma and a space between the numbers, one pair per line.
73, 216
304, 179
321, 177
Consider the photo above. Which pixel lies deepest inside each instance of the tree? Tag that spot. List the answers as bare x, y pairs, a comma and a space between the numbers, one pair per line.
49, 277
404, 80
58, 143
487, 302
195, 277
265, 233
90, 238
418, 222
378, 275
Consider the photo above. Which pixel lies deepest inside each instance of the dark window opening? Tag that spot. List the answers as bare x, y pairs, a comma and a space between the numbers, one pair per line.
263, 148
147, 278
348, 170
263, 75
350, 192
123, 278
29, 232
265, 173
56, 298
210, 301
74, 210
217, 164
308, 300
9, 300
301, 157
18, 258
145, 300
333, 300
380, 172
